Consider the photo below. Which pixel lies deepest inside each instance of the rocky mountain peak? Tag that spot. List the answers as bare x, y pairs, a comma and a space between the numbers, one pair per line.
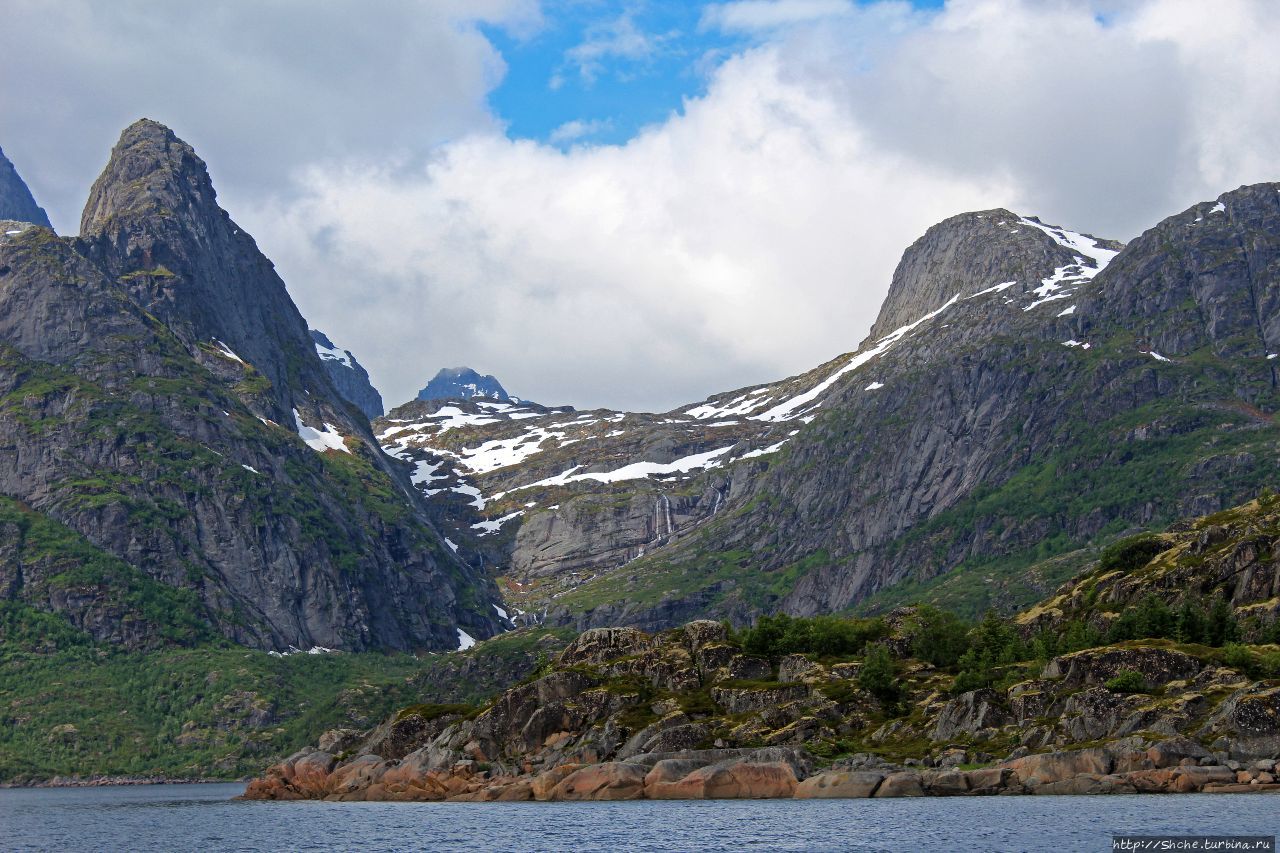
16, 201
968, 251
462, 383
153, 221
150, 171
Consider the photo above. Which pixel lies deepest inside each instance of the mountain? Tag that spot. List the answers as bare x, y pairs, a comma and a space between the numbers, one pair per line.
1026, 393
177, 463
16, 202
348, 376
462, 383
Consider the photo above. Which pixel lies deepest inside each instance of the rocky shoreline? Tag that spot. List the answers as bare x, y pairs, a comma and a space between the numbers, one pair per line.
111, 781
1175, 766
625, 715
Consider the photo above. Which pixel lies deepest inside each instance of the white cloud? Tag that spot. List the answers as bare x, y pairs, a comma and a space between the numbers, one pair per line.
755, 234
750, 16
612, 40
578, 129
257, 88
751, 236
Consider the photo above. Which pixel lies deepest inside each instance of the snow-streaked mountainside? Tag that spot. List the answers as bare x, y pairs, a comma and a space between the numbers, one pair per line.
1027, 391
348, 375
463, 383
550, 496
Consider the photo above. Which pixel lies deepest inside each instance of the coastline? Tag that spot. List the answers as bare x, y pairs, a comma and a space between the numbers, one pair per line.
115, 781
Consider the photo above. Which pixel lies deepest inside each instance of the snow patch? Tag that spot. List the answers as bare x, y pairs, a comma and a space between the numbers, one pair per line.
339, 355
452, 545
226, 350
487, 527
1218, 208
465, 640
874, 386
250, 468
636, 470
1068, 312
1158, 357
787, 410
320, 440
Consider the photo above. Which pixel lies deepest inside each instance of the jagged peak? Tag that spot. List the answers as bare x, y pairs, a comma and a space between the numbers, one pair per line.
151, 171
16, 201
969, 251
462, 383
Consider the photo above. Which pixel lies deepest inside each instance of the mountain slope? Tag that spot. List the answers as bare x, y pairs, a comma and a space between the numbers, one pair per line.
348, 375
162, 399
16, 202
1027, 391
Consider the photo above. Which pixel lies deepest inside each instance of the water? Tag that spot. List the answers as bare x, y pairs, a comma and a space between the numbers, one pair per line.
203, 818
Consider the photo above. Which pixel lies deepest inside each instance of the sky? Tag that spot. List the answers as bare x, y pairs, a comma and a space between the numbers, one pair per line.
638, 204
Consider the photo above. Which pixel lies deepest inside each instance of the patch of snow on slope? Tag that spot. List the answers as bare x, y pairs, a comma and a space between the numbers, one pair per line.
762, 451
636, 470
1218, 208
787, 410
996, 288
1078, 243
874, 386
317, 440
335, 354
451, 416
465, 640
487, 527
477, 500
453, 546
226, 350
425, 471
738, 406
1068, 312
1158, 357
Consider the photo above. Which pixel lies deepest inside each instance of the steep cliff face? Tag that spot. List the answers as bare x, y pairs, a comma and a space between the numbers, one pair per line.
16, 202
348, 375
162, 399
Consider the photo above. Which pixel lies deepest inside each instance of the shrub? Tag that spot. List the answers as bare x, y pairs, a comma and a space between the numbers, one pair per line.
878, 675
826, 636
1127, 681
938, 636
1131, 553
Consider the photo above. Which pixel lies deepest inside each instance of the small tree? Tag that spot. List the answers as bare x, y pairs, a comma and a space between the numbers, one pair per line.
1127, 681
878, 675
938, 636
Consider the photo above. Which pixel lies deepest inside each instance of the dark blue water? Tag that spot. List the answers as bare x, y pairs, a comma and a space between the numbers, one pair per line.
203, 818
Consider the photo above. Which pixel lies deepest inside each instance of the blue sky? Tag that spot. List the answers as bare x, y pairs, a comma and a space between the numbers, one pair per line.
598, 71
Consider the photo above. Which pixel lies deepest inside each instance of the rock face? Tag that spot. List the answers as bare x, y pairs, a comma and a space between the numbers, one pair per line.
165, 417
16, 202
625, 715
463, 383
349, 377
991, 245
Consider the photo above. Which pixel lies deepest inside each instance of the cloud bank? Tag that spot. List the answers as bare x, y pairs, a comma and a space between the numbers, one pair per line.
753, 233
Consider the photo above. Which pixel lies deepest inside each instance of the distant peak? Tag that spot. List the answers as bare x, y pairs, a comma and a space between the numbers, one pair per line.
16, 201
462, 383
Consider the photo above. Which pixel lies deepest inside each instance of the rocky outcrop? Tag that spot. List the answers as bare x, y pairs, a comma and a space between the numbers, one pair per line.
16, 202
626, 715
348, 375
165, 417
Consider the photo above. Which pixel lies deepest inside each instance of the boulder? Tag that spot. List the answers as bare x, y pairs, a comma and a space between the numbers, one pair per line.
1042, 768
904, 783
839, 784
543, 784
599, 645
1097, 666
613, 780
969, 713
945, 783
734, 779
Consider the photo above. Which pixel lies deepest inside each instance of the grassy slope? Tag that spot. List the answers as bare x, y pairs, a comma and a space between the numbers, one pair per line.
208, 711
